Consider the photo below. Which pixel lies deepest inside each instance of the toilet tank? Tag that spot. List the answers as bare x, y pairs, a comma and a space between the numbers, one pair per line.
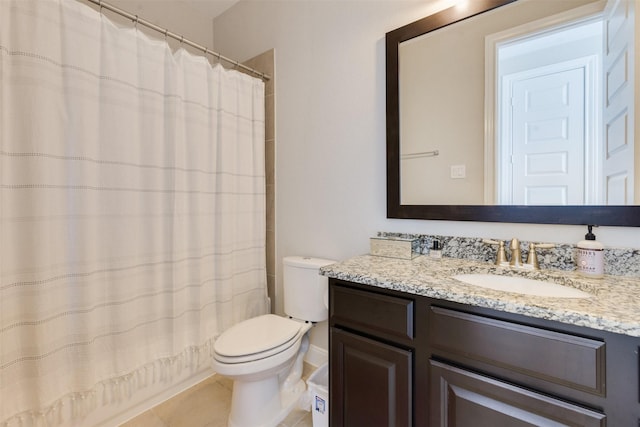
305, 290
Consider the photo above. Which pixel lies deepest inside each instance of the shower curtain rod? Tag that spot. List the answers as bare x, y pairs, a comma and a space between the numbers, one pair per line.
137, 20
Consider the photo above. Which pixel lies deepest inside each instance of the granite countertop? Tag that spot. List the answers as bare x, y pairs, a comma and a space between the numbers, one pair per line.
614, 306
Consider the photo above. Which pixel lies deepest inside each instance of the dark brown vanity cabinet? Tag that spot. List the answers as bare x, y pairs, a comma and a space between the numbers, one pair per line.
398, 359
372, 358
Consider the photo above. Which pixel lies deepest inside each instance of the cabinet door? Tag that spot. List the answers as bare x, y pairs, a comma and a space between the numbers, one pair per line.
370, 382
462, 398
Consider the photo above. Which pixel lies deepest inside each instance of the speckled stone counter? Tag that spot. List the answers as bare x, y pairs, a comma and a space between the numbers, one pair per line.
614, 306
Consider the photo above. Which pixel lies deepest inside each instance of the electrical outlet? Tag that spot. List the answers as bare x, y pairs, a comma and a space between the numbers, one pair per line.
458, 171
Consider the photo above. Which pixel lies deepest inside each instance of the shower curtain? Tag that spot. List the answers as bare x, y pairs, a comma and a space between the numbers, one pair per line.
132, 210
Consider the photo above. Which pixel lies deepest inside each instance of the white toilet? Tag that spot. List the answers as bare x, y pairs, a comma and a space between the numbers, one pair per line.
263, 355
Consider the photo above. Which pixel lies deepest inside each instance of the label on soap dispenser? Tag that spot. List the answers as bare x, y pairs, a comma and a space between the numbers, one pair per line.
590, 262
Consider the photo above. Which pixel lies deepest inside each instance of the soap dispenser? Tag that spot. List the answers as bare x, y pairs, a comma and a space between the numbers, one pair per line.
590, 256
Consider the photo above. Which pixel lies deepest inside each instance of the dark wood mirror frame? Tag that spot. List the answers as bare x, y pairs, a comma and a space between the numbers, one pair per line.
600, 215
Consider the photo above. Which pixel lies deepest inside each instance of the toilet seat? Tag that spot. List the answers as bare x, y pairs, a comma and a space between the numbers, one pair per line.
257, 338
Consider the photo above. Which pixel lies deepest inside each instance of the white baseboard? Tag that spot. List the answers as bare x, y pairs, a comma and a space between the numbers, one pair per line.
316, 356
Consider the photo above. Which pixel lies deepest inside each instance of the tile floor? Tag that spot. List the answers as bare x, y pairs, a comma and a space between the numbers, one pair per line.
207, 404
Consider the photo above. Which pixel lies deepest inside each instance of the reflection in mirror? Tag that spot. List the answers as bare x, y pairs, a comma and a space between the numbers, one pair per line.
548, 93
519, 106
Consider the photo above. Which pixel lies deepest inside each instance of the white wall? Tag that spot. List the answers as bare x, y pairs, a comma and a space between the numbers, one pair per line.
330, 127
177, 17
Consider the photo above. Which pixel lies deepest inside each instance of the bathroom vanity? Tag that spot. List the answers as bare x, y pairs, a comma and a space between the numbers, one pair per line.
411, 346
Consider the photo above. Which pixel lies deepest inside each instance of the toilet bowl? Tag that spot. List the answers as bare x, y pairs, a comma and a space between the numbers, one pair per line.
263, 394
264, 355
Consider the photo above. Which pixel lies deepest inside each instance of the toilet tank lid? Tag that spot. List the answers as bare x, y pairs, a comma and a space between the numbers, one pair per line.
306, 262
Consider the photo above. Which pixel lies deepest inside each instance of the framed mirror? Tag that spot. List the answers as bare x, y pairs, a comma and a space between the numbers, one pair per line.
427, 120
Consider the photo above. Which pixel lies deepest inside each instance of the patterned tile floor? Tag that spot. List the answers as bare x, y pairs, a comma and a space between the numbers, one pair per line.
207, 404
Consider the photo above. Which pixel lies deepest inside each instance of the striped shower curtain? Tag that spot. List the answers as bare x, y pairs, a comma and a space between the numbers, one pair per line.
132, 210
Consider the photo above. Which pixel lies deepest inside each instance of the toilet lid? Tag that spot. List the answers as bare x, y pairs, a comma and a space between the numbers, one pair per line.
256, 335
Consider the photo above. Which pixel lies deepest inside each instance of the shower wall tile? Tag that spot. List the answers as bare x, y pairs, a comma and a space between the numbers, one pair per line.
270, 131
271, 246
270, 162
271, 288
265, 62
271, 207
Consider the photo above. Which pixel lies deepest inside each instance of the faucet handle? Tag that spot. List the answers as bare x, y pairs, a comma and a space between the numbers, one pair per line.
544, 245
501, 256
532, 258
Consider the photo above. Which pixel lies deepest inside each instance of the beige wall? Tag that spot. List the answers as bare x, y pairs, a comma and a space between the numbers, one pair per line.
175, 16
330, 125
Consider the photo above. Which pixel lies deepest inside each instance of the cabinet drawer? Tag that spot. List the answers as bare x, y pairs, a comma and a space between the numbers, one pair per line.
563, 359
464, 398
381, 315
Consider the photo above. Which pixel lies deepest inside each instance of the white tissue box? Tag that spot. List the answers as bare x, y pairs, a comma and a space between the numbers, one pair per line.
394, 247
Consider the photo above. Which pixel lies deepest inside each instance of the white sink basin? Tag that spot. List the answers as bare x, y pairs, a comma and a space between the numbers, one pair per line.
521, 285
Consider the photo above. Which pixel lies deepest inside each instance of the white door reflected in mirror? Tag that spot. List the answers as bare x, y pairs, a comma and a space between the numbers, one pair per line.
549, 92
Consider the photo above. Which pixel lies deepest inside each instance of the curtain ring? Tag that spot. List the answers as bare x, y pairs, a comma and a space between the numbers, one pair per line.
101, 6
166, 31
135, 22
181, 40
